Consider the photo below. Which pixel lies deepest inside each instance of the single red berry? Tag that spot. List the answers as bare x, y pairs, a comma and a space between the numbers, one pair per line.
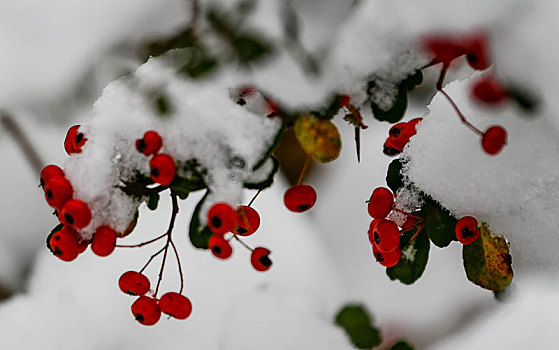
444, 50
222, 218
299, 198
64, 244
489, 91
387, 259
104, 241
133, 283
409, 223
477, 52
220, 247
79, 142
58, 191
75, 213
248, 221
260, 259
175, 305
466, 230
371, 231
163, 169
82, 243
146, 310
50, 171
400, 134
494, 139
70, 138
380, 203
386, 235
150, 144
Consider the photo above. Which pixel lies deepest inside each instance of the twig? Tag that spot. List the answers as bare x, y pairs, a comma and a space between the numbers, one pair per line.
168, 233
29, 151
304, 170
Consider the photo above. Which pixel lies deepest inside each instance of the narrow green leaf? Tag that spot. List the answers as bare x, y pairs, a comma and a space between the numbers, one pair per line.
401, 345
357, 323
415, 254
395, 113
153, 200
394, 178
199, 236
487, 261
439, 223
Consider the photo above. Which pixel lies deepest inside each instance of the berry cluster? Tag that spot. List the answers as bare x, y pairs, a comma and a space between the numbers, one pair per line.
162, 166
384, 233
244, 221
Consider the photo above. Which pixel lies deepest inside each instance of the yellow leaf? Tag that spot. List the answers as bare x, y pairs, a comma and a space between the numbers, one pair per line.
318, 137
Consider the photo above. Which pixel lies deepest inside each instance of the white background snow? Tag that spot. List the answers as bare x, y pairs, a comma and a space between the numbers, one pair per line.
322, 259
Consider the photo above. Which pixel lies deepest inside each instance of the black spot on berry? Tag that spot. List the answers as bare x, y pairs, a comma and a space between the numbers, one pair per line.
69, 219
466, 232
303, 207
130, 292
241, 230
155, 172
390, 151
265, 260
241, 101
216, 222
394, 132
58, 252
376, 238
141, 145
139, 317
216, 249
79, 138
49, 194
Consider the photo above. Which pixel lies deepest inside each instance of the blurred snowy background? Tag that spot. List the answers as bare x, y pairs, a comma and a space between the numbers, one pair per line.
58, 55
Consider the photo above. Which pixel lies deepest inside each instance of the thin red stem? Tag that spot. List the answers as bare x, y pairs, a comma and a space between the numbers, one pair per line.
150, 259
166, 248
460, 115
304, 170
141, 244
179, 265
254, 197
242, 243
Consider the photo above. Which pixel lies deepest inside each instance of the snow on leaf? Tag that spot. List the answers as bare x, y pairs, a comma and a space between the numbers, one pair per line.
318, 137
487, 261
415, 253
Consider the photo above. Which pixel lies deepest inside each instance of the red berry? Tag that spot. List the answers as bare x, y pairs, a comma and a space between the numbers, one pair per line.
146, 311
380, 203
466, 230
443, 49
220, 247
371, 231
260, 259
75, 213
389, 150
222, 218
175, 305
162, 169
477, 52
50, 171
387, 259
399, 135
58, 191
299, 198
104, 241
409, 223
248, 221
494, 139
489, 91
344, 100
133, 283
64, 244
150, 144
386, 235
74, 140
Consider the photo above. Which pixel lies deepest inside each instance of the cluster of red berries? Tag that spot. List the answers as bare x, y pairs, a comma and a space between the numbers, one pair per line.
384, 233
399, 135
467, 230
447, 49
244, 221
162, 166
147, 309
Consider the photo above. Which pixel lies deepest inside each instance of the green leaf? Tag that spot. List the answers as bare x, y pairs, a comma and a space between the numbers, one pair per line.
251, 48
153, 200
487, 261
415, 254
439, 223
162, 105
199, 67
394, 178
266, 182
357, 323
318, 137
199, 236
524, 98
395, 113
401, 345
